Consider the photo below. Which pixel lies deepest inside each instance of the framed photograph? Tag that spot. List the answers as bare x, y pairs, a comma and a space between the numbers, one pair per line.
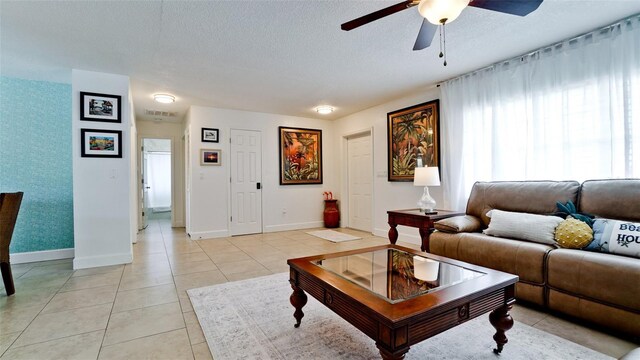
300, 156
210, 135
413, 137
210, 157
100, 107
101, 143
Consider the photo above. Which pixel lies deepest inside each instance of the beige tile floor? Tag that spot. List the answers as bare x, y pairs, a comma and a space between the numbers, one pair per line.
141, 310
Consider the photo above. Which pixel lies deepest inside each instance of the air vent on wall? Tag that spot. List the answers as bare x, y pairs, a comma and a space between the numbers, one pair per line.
159, 113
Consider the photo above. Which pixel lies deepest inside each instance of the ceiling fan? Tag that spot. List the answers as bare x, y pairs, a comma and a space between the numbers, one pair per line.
441, 12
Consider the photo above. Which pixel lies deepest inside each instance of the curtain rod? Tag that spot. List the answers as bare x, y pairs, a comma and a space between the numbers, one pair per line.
519, 57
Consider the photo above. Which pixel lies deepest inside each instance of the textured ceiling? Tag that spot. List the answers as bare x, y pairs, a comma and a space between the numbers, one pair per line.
280, 57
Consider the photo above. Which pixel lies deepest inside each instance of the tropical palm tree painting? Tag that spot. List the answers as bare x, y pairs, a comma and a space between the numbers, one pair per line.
413, 133
300, 156
403, 283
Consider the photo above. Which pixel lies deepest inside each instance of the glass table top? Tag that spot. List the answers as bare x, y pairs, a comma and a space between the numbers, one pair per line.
396, 275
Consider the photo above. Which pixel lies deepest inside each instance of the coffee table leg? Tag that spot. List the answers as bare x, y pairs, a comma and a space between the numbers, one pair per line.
397, 355
298, 299
501, 321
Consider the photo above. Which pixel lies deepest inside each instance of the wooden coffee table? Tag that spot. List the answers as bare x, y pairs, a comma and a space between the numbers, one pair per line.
399, 296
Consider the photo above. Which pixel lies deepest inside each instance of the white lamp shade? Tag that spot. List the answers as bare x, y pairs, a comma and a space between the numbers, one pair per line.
426, 176
436, 10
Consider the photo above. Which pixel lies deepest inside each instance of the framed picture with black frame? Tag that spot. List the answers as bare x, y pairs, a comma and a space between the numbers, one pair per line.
101, 143
100, 107
210, 135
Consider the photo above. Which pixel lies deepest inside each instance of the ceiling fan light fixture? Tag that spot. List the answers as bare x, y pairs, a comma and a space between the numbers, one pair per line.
324, 109
440, 11
164, 98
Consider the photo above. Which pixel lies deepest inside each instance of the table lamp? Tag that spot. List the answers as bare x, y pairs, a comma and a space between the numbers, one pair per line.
426, 176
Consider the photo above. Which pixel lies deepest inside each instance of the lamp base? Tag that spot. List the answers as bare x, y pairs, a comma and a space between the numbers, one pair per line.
426, 203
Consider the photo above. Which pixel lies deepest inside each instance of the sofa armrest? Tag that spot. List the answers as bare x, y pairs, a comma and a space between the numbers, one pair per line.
458, 224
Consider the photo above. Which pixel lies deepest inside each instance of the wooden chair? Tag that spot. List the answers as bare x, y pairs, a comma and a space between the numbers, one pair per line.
9, 207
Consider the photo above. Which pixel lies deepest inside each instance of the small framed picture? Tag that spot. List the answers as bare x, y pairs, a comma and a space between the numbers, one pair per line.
101, 143
100, 107
210, 135
210, 157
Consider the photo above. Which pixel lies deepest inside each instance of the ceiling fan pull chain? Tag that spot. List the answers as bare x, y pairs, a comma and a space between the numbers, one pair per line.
444, 43
440, 55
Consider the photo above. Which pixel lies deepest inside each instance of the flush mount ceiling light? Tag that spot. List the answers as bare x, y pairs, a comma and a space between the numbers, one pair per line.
324, 109
164, 98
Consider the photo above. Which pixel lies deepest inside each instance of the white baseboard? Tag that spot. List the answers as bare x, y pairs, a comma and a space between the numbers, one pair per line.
402, 236
33, 256
101, 260
200, 235
296, 226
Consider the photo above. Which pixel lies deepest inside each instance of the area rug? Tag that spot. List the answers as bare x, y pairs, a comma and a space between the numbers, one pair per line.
253, 319
333, 235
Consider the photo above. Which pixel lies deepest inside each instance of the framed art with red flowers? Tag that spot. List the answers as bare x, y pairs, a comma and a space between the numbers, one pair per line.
300, 156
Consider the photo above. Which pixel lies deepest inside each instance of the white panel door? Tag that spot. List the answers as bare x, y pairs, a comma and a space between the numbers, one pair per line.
246, 175
360, 176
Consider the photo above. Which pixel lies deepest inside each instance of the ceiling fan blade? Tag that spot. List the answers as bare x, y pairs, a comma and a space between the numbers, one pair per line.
425, 35
514, 7
350, 25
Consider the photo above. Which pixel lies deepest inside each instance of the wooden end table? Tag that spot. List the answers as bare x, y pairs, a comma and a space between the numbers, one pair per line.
418, 219
378, 291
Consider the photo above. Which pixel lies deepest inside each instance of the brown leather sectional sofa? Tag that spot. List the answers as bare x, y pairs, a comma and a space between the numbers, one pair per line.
601, 288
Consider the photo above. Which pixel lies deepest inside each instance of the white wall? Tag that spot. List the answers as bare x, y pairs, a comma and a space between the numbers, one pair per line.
208, 205
387, 195
102, 188
173, 131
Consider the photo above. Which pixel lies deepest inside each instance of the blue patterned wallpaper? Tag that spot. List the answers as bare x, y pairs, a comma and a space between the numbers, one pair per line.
35, 157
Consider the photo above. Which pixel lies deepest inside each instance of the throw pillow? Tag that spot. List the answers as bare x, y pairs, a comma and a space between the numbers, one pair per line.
616, 237
573, 234
569, 209
458, 224
523, 226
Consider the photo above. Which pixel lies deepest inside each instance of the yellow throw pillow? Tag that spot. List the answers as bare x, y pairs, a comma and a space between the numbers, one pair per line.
573, 234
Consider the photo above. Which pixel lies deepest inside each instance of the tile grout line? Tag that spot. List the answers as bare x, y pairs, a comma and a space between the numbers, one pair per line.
38, 314
110, 313
173, 279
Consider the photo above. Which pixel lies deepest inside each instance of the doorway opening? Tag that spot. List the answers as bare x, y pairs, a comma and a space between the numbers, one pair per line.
156, 177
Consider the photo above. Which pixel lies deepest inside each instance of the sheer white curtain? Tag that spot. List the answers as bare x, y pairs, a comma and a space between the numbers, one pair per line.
567, 112
159, 179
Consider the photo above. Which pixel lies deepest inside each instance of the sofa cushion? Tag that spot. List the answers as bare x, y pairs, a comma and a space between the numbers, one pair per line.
525, 259
529, 227
607, 278
535, 197
456, 224
612, 199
